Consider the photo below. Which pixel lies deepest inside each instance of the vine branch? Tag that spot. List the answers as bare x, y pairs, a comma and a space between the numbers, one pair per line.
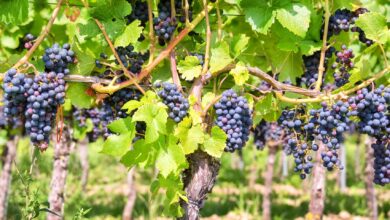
164, 54
41, 37
175, 74
208, 39
151, 31
321, 67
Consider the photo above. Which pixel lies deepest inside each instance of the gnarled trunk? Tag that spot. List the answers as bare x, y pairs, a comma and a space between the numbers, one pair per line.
268, 183
198, 182
6, 176
369, 180
58, 179
317, 195
131, 195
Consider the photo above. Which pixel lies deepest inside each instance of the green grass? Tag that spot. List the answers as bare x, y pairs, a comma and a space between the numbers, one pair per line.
107, 181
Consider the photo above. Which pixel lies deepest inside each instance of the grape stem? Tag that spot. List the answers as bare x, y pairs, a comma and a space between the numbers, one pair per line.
321, 67
148, 69
41, 37
151, 31
175, 74
337, 96
208, 39
209, 105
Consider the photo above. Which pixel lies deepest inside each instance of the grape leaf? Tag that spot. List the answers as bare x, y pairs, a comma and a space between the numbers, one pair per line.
131, 105
295, 17
239, 44
189, 136
258, 14
171, 157
141, 153
220, 57
374, 26
122, 125
189, 68
240, 73
130, 35
215, 143
107, 10
76, 92
90, 29
118, 145
155, 117
14, 12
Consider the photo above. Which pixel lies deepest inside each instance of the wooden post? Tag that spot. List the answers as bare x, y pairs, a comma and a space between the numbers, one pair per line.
83, 154
369, 180
131, 195
58, 179
6, 175
268, 182
317, 195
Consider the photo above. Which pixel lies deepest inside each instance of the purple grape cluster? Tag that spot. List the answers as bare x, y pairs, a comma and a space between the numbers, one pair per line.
297, 140
266, 132
311, 67
96, 116
44, 94
178, 105
381, 162
342, 66
14, 100
57, 58
132, 60
344, 20
139, 12
234, 117
328, 124
164, 25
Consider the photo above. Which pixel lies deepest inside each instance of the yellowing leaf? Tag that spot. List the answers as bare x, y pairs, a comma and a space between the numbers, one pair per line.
189, 68
240, 73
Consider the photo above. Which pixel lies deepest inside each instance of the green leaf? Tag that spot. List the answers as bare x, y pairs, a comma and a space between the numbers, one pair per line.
114, 28
239, 44
76, 92
215, 143
85, 60
155, 117
123, 125
118, 145
131, 105
189, 68
171, 158
90, 29
207, 98
14, 12
259, 14
295, 18
220, 57
106, 10
267, 108
374, 26
189, 136
140, 154
240, 73
130, 35
290, 66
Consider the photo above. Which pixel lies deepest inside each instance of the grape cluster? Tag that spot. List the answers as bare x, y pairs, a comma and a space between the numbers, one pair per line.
14, 100
44, 94
329, 124
382, 162
311, 67
119, 98
139, 12
178, 105
371, 109
297, 139
235, 118
132, 60
344, 20
57, 58
28, 41
96, 116
342, 66
266, 132
362, 35
164, 25
341, 20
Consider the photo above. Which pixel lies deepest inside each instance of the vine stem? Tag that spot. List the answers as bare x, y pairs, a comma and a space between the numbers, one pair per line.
41, 37
151, 31
164, 54
321, 67
208, 106
219, 21
186, 9
175, 74
208, 39
337, 96
125, 70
